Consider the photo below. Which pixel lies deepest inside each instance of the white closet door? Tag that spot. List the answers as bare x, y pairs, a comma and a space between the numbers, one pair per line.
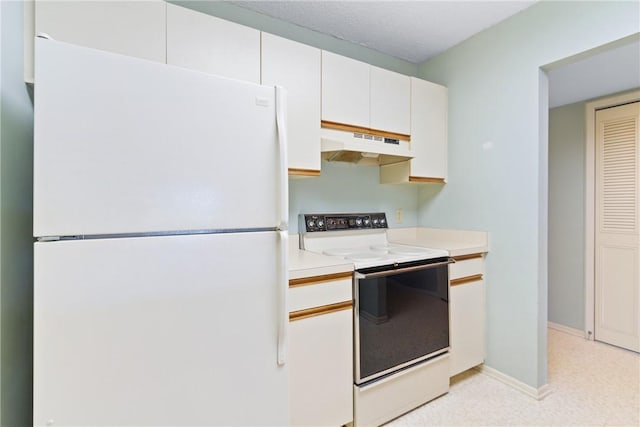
617, 266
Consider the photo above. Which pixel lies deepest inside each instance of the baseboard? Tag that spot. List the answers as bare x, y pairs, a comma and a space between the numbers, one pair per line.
566, 329
537, 393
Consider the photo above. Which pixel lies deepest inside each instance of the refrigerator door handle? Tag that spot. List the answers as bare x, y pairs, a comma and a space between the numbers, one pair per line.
283, 309
281, 121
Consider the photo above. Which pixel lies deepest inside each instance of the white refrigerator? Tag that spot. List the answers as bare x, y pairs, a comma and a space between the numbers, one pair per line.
160, 217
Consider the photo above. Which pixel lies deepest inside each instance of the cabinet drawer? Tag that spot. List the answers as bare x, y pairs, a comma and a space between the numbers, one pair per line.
316, 292
466, 267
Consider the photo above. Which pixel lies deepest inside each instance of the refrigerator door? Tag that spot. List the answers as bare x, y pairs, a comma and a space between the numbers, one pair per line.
124, 145
168, 330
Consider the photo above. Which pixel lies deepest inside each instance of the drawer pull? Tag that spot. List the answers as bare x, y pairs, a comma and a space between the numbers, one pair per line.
317, 279
304, 172
319, 311
466, 257
463, 280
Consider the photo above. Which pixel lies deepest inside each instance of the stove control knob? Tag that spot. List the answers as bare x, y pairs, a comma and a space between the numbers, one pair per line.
375, 221
358, 222
320, 223
311, 223
382, 221
367, 221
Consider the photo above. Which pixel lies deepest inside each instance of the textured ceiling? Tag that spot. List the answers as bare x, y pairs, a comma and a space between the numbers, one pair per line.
410, 30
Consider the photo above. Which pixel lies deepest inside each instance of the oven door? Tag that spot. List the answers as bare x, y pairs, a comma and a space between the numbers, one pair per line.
401, 316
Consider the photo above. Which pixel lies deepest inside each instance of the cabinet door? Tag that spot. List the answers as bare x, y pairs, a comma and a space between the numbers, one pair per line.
390, 101
467, 326
296, 67
321, 370
345, 90
206, 43
429, 103
134, 28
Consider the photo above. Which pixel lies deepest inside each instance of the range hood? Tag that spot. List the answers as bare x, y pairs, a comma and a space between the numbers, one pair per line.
363, 146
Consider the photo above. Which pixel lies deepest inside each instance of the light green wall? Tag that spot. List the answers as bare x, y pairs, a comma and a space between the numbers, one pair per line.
345, 187
498, 169
16, 245
294, 32
567, 215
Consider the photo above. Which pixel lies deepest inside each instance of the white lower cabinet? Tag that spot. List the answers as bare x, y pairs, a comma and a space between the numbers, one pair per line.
467, 314
320, 371
321, 353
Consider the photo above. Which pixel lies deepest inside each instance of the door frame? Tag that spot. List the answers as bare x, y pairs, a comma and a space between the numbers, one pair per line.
590, 202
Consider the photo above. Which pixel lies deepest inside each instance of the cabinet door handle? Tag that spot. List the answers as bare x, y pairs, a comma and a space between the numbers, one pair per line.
464, 280
319, 311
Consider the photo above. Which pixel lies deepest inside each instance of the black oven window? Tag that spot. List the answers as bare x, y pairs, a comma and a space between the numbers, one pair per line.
402, 317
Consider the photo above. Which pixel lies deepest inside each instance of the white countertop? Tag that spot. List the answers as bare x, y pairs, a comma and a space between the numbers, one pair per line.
456, 242
309, 264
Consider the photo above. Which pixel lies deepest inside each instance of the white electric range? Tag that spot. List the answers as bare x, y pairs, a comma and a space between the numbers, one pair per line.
359, 238
400, 316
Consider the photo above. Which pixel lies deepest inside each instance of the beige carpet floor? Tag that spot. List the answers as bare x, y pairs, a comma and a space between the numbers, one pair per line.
592, 384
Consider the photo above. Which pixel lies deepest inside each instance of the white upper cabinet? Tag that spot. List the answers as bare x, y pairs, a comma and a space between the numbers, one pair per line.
390, 101
296, 67
345, 90
134, 28
360, 95
206, 43
429, 105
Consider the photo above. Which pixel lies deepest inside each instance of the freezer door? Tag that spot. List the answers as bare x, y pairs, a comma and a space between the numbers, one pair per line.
171, 330
124, 145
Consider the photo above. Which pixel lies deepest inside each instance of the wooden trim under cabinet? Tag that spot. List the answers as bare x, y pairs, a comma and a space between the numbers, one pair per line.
319, 311
464, 280
423, 179
466, 257
304, 172
359, 129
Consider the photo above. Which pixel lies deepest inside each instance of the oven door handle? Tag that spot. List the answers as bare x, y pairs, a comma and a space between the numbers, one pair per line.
358, 275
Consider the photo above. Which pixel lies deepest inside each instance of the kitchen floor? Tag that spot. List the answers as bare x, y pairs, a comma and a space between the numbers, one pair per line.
592, 384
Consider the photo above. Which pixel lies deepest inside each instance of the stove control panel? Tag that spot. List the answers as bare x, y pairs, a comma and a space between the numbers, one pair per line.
332, 222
